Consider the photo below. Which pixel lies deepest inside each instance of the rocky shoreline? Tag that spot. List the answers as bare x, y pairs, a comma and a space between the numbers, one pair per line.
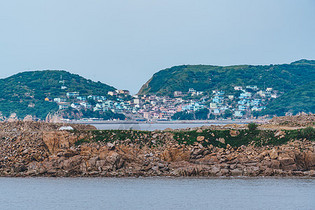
41, 149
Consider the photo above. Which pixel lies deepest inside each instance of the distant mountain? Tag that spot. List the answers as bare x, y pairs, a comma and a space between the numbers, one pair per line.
300, 99
207, 78
24, 93
286, 78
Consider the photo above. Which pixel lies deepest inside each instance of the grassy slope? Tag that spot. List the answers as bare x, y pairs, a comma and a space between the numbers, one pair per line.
18, 91
286, 78
245, 137
206, 78
301, 99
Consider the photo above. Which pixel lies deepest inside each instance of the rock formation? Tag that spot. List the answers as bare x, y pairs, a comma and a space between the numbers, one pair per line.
40, 149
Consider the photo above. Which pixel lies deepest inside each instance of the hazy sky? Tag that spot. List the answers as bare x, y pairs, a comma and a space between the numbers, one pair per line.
123, 42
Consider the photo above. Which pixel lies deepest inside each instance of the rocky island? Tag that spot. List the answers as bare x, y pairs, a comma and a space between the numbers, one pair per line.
283, 147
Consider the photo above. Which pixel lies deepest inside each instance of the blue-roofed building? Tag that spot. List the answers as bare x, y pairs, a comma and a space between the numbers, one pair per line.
238, 114
81, 98
216, 111
218, 99
193, 107
241, 108
245, 95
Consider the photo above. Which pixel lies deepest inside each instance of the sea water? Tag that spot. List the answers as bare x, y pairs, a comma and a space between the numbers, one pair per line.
157, 193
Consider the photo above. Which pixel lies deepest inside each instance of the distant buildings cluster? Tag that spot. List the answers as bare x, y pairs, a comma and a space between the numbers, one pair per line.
243, 103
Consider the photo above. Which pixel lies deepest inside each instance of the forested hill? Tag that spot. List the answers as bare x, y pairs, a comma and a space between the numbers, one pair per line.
24, 93
284, 77
300, 99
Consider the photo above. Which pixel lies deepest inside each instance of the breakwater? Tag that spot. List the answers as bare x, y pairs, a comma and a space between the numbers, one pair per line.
41, 149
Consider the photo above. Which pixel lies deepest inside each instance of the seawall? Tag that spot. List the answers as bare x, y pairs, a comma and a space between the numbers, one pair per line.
40, 149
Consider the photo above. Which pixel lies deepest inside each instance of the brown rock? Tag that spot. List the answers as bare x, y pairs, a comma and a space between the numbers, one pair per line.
224, 172
266, 163
231, 156
91, 163
222, 140
103, 154
286, 160
69, 153
236, 172
280, 134
234, 133
71, 162
200, 138
268, 172
275, 164
115, 159
85, 150
56, 140
263, 154
110, 146
289, 167
175, 154
214, 171
310, 160
252, 171
273, 154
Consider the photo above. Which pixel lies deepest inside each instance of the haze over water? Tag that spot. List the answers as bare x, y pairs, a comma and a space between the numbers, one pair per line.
122, 43
147, 126
156, 193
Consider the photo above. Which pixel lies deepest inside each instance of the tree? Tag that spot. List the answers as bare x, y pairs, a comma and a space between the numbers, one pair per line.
252, 126
202, 114
184, 115
227, 113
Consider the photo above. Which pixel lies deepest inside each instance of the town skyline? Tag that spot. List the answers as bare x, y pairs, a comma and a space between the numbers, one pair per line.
198, 92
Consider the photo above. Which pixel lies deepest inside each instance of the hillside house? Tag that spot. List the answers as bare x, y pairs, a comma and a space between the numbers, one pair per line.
72, 94
58, 100
178, 93
238, 114
238, 88
63, 105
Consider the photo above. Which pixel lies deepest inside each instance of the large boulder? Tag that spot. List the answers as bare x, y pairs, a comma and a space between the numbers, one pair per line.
115, 160
175, 154
200, 138
287, 163
273, 154
236, 172
310, 160
234, 133
58, 140
275, 164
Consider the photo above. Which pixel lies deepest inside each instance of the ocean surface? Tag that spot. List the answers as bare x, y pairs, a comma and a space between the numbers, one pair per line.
156, 193
148, 126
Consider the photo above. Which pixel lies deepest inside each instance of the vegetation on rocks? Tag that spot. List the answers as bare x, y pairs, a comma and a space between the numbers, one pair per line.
216, 137
252, 126
41, 149
301, 120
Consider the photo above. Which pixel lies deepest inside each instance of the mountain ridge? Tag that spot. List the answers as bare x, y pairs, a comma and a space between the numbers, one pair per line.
24, 93
284, 78
164, 77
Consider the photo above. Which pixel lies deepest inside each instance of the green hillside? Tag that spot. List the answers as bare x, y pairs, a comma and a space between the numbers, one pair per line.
25, 93
301, 99
283, 77
294, 82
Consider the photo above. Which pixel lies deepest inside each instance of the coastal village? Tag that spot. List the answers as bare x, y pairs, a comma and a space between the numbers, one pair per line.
243, 103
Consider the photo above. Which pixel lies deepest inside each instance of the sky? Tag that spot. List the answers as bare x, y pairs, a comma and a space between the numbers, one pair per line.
124, 42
